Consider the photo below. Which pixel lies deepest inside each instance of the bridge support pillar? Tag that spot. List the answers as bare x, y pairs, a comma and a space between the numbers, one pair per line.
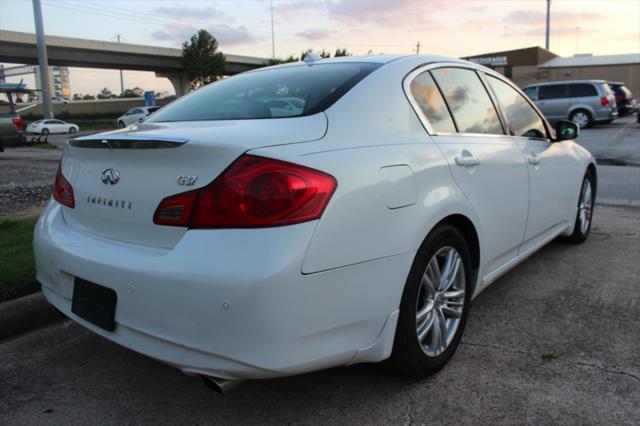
180, 82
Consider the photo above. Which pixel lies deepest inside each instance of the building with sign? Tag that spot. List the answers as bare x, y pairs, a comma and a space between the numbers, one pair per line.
535, 64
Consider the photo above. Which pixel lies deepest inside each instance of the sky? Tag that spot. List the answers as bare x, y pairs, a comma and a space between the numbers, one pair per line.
447, 27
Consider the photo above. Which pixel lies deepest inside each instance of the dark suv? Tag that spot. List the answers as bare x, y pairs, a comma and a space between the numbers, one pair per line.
624, 98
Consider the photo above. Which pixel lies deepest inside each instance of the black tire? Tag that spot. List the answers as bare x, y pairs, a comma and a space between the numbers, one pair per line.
408, 356
72, 130
45, 131
121, 125
579, 234
582, 124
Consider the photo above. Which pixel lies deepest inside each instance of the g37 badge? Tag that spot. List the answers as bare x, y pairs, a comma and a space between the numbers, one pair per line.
186, 180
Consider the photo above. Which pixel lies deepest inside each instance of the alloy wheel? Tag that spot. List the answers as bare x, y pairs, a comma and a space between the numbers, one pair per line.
581, 119
586, 206
441, 301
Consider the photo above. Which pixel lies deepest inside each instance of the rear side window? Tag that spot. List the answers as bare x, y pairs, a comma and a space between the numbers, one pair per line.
137, 111
151, 110
255, 95
523, 119
468, 100
553, 91
582, 90
428, 97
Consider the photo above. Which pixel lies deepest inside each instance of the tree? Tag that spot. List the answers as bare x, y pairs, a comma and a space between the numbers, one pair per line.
341, 52
106, 94
202, 60
77, 97
325, 54
136, 92
88, 98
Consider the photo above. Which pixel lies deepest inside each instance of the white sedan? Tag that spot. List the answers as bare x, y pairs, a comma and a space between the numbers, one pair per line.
233, 244
52, 126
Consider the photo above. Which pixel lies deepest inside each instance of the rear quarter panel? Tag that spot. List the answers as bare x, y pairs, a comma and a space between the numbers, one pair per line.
376, 211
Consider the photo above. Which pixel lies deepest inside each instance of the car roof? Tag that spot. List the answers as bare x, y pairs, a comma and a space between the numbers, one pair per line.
547, 83
376, 59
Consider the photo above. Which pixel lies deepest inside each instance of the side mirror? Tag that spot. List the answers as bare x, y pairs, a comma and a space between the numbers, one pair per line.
566, 130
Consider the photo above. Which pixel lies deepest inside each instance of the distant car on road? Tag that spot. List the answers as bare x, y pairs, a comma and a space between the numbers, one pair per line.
582, 101
135, 115
624, 98
59, 100
52, 126
11, 130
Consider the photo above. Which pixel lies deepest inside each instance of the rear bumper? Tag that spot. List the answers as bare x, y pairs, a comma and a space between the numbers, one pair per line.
171, 303
605, 114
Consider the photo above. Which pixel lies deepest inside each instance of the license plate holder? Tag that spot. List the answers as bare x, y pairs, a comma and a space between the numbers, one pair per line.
94, 303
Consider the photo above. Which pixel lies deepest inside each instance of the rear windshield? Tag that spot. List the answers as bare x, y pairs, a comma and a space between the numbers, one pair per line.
272, 93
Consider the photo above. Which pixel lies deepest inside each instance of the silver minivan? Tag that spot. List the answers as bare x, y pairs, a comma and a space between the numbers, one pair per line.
582, 101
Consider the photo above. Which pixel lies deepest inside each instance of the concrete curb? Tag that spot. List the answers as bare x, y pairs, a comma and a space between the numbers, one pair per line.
617, 202
25, 314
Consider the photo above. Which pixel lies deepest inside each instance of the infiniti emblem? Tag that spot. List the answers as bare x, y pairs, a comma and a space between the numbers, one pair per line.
110, 176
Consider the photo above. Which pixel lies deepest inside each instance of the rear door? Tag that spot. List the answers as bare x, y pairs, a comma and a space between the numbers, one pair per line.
550, 165
486, 164
554, 101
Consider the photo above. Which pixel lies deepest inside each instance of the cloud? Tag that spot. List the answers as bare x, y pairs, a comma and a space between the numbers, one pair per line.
186, 12
402, 14
315, 34
226, 35
532, 23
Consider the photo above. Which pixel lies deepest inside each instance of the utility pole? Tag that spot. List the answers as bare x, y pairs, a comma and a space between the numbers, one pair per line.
43, 62
273, 40
418, 47
121, 78
546, 44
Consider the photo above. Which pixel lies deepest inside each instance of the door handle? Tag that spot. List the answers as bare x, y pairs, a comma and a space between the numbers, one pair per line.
533, 159
467, 159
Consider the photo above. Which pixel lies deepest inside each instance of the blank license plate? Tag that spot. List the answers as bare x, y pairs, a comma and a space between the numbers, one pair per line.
94, 303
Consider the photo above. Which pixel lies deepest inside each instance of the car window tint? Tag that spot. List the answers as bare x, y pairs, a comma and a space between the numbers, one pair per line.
248, 95
50, 122
581, 90
137, 111
468, 100
553, 91
530, 92
152, 109
428, 97
523, 119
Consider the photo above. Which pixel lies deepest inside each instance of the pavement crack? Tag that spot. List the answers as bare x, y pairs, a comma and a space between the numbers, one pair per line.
577, 363
603, 368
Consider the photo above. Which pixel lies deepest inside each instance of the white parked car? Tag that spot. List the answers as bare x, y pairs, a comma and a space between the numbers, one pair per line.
52, 126
135, 115
234, 245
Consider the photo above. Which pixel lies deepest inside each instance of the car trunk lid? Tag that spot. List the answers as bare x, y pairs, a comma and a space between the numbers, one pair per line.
119, 178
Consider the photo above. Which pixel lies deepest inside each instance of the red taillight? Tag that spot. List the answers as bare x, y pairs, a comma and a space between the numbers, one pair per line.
19, 124
604, 101
253, 192
62, 190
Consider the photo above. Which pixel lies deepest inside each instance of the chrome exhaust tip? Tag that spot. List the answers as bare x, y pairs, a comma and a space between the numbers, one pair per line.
221, 386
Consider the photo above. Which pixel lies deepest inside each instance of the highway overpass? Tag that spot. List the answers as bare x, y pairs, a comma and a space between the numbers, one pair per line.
20, 48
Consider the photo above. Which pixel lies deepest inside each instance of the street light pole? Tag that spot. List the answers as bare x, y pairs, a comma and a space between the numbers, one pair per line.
546, 44
43, 62
121, 79
273, 40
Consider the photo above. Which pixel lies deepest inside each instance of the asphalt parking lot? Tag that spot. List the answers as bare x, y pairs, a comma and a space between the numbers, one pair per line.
556, 340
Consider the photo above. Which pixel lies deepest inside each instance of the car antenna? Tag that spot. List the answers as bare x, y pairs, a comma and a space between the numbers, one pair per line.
311, 57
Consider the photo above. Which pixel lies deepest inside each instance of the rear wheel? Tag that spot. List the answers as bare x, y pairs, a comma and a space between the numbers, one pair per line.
72, 130
434, 305
121, 125
582, 118
584, 215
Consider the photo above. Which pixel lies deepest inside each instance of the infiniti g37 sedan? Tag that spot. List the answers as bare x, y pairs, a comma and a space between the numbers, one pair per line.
233, 242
